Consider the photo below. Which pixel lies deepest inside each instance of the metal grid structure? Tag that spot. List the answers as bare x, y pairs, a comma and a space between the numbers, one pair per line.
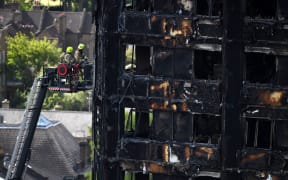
205, 94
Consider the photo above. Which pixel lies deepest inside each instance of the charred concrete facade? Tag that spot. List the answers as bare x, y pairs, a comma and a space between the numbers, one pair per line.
207, 98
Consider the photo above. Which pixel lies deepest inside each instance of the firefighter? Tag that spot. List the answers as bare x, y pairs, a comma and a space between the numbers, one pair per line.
67, 56
79, 55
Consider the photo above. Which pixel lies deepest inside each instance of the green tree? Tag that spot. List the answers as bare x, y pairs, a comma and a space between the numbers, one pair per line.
25, 58
52, 99
74, 5
76, 101
24, 4
27, 55
68, 101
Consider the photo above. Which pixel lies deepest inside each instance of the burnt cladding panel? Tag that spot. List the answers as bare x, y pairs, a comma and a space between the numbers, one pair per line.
136, 24
264, 32
254, 160
133, 149
183, 126
209, 30
142, 150
162, 125
183, 64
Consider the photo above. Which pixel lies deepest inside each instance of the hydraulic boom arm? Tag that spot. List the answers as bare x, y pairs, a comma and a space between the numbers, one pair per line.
25, 136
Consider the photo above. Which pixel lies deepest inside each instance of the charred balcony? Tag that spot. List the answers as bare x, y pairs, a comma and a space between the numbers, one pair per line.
201, 27
180, 99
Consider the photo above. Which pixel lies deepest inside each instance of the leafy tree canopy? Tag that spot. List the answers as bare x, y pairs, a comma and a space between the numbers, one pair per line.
68, 101
27, 55
25, 5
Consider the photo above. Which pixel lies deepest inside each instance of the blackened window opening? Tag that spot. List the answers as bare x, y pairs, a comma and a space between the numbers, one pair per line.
250, 132
142, 5
281, 135
137, 59
143, 60
264, 134
207, 128
137, 5
260, 68
259, 133
137, 123
207, 65
202, 7
173, 125
217, 9
129, 4
261, 9
174, 63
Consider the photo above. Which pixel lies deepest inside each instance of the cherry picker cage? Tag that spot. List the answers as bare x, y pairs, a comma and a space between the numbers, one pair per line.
205, 94
64, 78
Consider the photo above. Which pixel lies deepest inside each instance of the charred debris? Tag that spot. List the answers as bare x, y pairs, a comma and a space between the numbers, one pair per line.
205, 96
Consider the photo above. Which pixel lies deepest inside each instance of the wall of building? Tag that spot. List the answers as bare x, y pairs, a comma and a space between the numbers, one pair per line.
76, 122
